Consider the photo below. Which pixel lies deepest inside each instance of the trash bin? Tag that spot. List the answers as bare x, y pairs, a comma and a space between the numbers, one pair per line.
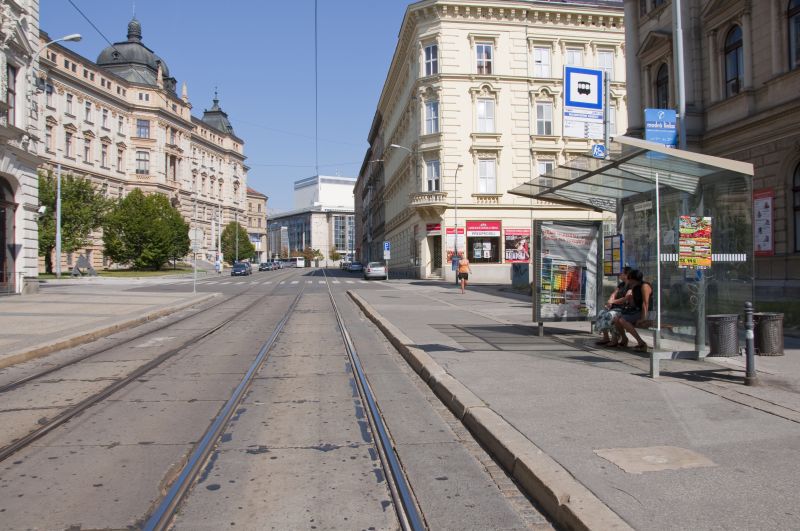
723, 335
768, 333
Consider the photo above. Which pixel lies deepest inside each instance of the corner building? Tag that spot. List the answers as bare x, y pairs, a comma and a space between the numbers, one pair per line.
120, 123
473, 104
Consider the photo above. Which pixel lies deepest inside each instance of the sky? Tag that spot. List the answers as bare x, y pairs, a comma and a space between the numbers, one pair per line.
259, 56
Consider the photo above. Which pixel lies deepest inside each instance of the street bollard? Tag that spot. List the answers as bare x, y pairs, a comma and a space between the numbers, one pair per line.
750, 378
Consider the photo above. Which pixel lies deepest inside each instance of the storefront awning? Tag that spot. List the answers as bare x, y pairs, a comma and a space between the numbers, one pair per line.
634, 164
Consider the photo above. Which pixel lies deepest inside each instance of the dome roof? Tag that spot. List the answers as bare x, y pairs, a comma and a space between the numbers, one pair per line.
133, 60
217, 118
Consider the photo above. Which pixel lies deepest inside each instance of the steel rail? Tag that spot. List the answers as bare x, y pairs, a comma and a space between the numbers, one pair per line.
13, 385
161, 517
404, 501
69, 413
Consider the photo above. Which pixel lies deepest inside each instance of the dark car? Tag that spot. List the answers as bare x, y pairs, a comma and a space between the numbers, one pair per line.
239, 270
355, 266
265, 266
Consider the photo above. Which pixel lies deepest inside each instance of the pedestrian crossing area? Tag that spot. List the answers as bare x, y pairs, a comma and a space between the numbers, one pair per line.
222, 281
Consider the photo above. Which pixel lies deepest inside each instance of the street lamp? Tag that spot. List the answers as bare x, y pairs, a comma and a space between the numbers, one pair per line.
455, 214
73, 37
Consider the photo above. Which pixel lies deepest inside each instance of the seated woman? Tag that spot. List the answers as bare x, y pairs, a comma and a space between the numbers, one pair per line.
605, 319
637, 301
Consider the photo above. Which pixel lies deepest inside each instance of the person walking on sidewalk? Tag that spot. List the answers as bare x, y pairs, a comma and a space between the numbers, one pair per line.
463, 272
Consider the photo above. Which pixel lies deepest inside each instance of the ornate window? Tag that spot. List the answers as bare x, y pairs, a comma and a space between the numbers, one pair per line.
793, 15
605, 61
11, 94
734, 61
143, 128
487, 176
541, 61
662, 87
433, 175
431, 117
544, 118
68, 108
431, 60
67, 144
143, 162
485, 112
485, 56
574, 57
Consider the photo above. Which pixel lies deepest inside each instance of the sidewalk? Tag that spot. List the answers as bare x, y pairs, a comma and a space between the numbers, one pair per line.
586, 430
69, 312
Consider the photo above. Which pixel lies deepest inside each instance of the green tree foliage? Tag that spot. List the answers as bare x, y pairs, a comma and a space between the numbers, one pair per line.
334, 254
246, 249
82, 212
145, 231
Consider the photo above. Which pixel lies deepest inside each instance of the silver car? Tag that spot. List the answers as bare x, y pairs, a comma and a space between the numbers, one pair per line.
375, 270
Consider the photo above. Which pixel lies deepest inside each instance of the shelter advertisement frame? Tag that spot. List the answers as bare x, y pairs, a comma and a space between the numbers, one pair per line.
567, 270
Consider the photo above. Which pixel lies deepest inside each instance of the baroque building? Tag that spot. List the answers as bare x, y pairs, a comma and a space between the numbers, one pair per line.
742, 72
472, 107
19, 158
120, 122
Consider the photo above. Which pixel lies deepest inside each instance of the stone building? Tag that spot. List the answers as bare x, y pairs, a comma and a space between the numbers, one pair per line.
742, 73
257, 222
120, 123
19, 153
472, 107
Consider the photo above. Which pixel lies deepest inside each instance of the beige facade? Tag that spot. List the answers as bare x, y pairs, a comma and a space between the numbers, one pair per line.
126, 129
257, 222
19, 156
473, 102
742, 65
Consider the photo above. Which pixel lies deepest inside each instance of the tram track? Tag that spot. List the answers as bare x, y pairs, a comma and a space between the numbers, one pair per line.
408, 514
71, 412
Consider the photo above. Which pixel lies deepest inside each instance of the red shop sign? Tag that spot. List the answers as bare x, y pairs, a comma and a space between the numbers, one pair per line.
433, 228
451, 230
483, 228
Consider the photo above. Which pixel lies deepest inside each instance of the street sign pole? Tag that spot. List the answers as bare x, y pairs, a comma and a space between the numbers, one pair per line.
387, 255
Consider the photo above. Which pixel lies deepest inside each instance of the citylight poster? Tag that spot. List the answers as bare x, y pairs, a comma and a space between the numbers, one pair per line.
567, 270
450, 243
694, 243
612, 255
763, 222
518, 246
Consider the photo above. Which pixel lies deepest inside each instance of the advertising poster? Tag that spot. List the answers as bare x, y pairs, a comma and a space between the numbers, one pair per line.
694, 245
612, 255
450, 243
518, 246
763, 231
567, 270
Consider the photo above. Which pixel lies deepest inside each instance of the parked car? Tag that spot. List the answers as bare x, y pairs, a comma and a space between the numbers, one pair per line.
344, 265
239, 269
375, 270
355, 266
265, 266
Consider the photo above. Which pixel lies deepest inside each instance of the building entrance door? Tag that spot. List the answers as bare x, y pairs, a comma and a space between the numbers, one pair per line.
7, 243
436, 260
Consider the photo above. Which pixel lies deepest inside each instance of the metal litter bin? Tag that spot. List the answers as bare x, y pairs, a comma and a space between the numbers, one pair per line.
768, 333
723, 335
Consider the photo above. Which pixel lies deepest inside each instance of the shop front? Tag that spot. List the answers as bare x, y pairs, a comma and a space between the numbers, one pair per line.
483, 242
7, 244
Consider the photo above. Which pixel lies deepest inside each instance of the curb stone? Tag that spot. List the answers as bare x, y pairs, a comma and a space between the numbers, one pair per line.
567, 501
85, 337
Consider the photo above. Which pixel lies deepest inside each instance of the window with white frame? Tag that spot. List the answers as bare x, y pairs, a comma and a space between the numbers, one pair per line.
433, 175
431, 117
68, 144
487, 176
48, 137
143, 128
485, 113
541, 61
68, 107
605, 62
87, 150
48, 95
545, 167
104, 155
143, 162
11, 94
734, 62
544, 118
120, 158
431, 60
104, 119
574, 57
485, 55
793, 16
87, 111
120, 124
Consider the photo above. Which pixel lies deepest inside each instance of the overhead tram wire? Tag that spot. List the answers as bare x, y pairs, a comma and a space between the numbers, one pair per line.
316, 94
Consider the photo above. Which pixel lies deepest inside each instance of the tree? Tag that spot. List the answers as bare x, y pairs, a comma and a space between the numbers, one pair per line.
246, 248
334, 254
145, 230
82, 212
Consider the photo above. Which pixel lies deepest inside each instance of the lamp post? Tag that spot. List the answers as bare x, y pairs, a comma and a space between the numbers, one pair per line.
410, 152
73, 37
455, 214
236, 220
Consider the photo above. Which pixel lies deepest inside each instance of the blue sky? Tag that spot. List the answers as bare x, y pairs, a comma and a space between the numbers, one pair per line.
260, 55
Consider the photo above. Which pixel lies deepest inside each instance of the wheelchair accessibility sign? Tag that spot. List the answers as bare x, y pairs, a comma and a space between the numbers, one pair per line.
583, 103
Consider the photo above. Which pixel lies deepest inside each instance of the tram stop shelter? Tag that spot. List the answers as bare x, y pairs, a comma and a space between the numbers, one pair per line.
684, 219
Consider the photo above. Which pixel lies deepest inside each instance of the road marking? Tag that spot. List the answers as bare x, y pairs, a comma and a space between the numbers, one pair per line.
336, 282
242, 282
223, 283
268, 282
362, 281
309, 281
320, 282
282, 282
294, 281
350, 282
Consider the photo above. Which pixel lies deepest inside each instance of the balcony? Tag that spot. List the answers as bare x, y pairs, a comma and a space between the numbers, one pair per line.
429, 204
487, 199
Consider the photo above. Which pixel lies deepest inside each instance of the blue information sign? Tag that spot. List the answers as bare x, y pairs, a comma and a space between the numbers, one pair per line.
387, 246
660, 125
599, 151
